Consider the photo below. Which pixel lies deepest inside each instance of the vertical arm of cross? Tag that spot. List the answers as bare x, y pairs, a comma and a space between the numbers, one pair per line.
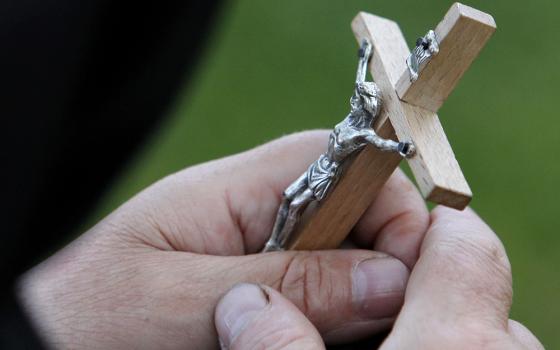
435, 168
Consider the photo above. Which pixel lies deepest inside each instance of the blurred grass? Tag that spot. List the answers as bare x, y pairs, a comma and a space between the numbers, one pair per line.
274, 67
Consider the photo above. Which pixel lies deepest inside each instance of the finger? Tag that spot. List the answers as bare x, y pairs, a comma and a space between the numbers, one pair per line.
463, 275
346, 294
524, 336
228, 206
396, 221
262, 174
251, 317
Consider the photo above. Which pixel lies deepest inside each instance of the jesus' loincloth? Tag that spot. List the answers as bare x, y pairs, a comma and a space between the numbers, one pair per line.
322, 176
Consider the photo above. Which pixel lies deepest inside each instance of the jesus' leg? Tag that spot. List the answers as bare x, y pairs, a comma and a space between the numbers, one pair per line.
295, 209
293, 191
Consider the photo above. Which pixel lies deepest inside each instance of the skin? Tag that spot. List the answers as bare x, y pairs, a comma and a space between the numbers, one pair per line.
458, 297
151, 274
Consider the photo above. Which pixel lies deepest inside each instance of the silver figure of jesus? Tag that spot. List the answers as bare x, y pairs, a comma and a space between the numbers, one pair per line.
349, 136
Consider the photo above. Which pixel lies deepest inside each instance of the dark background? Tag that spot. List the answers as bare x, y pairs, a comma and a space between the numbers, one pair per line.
83, 84
102, 98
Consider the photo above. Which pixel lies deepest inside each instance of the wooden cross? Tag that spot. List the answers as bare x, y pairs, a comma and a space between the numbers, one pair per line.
409, 114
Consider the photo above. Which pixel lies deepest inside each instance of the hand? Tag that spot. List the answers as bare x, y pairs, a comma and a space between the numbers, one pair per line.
151, 273
458, 297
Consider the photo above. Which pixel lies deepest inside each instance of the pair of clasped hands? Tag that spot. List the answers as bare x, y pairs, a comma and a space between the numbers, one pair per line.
176, 267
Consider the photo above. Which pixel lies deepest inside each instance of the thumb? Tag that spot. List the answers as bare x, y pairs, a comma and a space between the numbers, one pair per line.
364, 289
253, 317
346, 294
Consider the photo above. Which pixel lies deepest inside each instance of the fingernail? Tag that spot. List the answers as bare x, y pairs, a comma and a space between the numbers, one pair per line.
237, 308
378, 287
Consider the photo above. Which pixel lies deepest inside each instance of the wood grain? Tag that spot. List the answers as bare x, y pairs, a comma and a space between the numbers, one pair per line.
435, 168
327, 225
462, 34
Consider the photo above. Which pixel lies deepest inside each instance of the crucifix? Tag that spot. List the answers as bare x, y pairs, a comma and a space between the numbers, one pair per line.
320, 208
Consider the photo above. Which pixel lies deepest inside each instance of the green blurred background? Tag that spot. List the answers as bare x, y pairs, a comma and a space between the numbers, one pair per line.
275, 67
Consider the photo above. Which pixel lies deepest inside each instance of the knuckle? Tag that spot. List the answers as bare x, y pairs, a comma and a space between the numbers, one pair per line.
485, 251
305, 283
481, 261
